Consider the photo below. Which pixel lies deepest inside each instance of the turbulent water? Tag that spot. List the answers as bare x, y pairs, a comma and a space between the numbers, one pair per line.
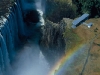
19, 38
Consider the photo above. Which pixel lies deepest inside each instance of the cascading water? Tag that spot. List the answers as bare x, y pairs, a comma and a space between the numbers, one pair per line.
19, 38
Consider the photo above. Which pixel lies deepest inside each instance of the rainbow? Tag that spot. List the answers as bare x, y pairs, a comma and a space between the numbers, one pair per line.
61, 66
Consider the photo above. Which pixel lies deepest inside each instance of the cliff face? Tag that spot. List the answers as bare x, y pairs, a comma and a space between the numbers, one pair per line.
53, 42
54, 45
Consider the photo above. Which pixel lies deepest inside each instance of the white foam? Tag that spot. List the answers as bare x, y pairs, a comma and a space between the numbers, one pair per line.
41, 19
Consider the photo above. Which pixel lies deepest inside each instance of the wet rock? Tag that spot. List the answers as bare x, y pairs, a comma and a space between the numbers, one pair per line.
32, 16
52, 42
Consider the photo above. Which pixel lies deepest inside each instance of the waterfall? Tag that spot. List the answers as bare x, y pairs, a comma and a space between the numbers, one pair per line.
19, 38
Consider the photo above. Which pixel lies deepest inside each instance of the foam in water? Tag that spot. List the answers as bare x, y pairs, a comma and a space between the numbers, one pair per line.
41, 22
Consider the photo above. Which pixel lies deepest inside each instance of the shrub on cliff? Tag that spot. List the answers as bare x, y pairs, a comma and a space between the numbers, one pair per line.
4, 5
58, 9
90, 6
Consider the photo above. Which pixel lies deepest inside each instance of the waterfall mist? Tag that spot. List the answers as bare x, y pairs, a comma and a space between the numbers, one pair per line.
30, 61
40, 4
19, 40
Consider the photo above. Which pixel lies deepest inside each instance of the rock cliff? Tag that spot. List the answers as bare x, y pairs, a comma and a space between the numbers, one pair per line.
53, 42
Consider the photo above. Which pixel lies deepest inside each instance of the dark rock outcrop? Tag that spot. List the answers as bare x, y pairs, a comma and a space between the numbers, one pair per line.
52, 42
32, 16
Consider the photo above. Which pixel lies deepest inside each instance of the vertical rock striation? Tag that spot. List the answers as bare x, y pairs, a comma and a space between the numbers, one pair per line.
52, 42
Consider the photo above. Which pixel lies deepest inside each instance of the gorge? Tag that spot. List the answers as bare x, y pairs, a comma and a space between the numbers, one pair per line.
36, 39
23, 49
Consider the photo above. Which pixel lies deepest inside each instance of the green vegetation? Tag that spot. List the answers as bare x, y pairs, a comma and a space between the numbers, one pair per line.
58, 9
88, 6
97, 70
4, 5
98, 44
94, 55
96, 29
71, 38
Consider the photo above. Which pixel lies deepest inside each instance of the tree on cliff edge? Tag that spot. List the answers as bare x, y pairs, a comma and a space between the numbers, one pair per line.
90, 6
58, 9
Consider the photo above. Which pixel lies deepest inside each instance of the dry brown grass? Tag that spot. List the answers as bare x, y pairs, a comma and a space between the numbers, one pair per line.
92, 66
86, 34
